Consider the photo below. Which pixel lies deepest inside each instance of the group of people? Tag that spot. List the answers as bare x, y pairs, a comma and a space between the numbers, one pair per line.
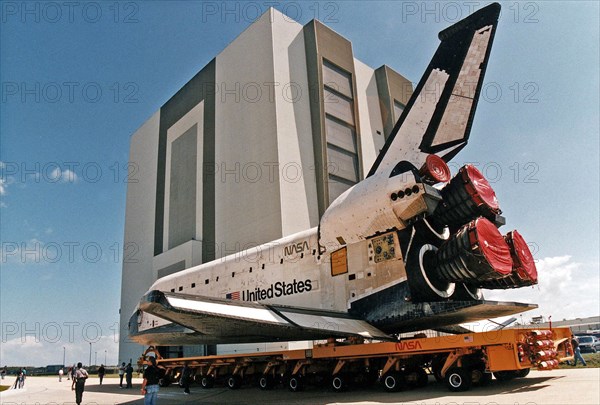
150, 384
79, 375
127, 372
21, 376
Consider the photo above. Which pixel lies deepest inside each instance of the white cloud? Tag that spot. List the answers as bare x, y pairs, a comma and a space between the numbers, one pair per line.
69, 176
65, 176
2, 186
566, 290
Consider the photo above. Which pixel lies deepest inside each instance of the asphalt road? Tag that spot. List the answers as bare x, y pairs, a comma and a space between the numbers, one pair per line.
577, 386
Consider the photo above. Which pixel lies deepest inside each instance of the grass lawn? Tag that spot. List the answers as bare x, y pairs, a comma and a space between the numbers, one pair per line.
592, 360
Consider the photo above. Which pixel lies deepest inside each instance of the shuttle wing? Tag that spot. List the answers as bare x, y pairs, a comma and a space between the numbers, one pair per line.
230, 321
439, 115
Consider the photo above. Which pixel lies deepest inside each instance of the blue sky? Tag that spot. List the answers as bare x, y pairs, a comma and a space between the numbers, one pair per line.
77, 82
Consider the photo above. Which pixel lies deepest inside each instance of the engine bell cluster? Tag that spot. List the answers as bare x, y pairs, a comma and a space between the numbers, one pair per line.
476, 253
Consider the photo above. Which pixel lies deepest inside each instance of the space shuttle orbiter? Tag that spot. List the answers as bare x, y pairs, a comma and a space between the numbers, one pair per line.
407, 248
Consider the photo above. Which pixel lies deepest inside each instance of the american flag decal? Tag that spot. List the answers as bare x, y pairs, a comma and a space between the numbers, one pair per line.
233, 295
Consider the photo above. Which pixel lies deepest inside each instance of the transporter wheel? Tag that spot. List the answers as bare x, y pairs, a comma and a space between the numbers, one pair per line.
505, 375
416, 377
234, 382
479, 377
524, 372
165, 381
339, 383
424, 286
207, 382
394, 382
458, 379
266, 382
437, 363
366, 379
296, 383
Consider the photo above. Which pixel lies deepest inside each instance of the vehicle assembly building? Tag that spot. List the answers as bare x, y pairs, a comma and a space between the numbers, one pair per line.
252, 149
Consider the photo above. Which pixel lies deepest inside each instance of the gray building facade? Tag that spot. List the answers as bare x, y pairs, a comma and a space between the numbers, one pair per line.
253, 148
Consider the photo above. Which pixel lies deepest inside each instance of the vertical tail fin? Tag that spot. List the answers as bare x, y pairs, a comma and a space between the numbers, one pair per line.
439, 115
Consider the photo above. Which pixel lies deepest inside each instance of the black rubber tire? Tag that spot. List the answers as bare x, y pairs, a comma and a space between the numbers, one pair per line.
234, 382
394, 382
266, 382
164, 382
479, 377
436, 367
416, 377
207, 382
296, 383
458, 379
505, 375
339, 383
365, 379
522, 373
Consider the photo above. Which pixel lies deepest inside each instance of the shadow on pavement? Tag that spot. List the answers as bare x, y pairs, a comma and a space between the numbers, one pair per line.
317, 395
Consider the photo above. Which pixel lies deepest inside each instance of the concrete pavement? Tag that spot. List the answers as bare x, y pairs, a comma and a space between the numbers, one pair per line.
565, 386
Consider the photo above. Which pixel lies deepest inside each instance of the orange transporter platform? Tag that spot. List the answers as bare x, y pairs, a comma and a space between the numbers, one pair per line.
459, 360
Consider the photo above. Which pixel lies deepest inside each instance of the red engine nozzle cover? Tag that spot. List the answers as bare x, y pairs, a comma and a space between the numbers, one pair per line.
466, 197
435, 170
476, 254
479, 188
492, 245
524, 264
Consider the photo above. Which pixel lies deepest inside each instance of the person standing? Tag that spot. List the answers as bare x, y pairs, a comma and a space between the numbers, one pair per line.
185, 378
121, 374
577, 351
73, 372
150, 387
80, 376
101, 372
128, 375
3, 372
22, 378
60, 374
16, 383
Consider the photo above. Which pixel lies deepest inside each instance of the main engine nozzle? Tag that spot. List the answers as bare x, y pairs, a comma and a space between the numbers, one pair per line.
476, 253
434, 170
524, 272
466, 197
